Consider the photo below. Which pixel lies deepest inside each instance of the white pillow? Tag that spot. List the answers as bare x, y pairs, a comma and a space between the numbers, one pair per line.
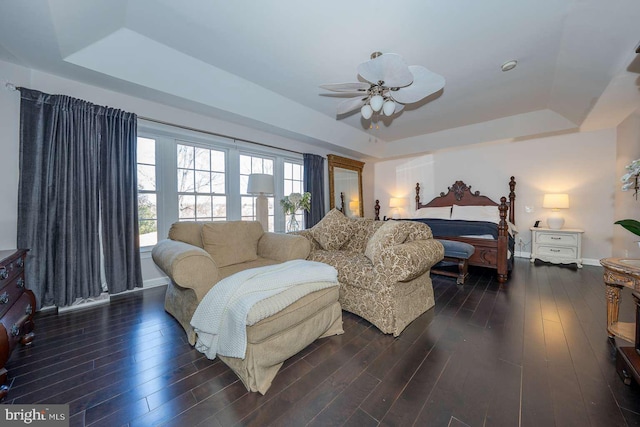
476, 213
443, 212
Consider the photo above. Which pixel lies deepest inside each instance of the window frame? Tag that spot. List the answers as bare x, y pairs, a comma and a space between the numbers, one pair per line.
300, 212
153, 192
271, 198
167, 137
195, 193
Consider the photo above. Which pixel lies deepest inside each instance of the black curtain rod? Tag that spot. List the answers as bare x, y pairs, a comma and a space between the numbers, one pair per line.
12, 86
216, 134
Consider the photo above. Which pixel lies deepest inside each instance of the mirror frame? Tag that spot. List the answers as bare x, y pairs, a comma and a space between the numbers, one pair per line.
342, 162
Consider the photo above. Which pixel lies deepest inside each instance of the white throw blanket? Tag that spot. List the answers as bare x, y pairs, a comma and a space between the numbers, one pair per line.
221, 317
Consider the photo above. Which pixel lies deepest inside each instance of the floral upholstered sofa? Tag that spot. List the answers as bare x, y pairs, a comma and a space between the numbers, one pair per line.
383, 267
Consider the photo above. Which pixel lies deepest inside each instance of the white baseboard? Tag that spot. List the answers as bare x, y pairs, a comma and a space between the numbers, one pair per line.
158, 281
105, 298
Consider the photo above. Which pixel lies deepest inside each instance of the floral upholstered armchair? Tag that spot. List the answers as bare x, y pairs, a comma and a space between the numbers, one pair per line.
383, 267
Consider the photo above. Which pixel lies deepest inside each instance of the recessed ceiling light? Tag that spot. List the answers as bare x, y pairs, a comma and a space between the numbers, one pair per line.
509, 65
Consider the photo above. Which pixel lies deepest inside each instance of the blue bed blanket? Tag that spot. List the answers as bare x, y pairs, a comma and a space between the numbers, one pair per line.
443, 228
455, 227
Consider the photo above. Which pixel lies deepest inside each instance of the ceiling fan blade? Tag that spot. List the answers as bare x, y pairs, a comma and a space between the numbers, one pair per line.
346, 87
389, 68
350, 105
425, 83
399, 107
344, 94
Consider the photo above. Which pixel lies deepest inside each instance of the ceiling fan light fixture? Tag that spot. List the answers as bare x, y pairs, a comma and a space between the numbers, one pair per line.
388, 107
376, 102
386, 85
366, 111
509, 65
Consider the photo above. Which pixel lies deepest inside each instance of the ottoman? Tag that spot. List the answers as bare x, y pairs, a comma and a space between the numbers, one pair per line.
274, 339
455, 254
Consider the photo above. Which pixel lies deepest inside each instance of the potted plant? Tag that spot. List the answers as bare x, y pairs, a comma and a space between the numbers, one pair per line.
291, 204
630, 180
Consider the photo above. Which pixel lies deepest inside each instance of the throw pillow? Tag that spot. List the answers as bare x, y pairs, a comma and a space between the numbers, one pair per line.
333, 230
187, 231
443, 212
231, 242
390, 234
476, 213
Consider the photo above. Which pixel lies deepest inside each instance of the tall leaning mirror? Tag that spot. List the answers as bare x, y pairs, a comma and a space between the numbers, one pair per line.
345, 185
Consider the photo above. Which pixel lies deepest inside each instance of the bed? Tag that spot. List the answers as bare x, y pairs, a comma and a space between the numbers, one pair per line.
493, 239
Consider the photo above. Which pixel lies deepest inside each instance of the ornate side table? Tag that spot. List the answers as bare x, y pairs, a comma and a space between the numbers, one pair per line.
619, 273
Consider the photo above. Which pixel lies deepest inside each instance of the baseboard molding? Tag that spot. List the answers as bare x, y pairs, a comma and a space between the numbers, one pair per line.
158, 281
105, 298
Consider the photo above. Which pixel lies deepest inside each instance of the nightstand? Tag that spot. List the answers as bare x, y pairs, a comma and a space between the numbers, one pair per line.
563, 246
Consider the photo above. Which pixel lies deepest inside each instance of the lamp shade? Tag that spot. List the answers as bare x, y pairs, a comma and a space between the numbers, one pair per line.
260, 183
396, 202
366, 111
389, 107
376, 102
354, 207
555, 201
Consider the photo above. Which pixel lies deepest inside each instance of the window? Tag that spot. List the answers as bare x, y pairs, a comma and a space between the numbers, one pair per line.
293, 183
201, 184
147, 196
254, 164
190, 176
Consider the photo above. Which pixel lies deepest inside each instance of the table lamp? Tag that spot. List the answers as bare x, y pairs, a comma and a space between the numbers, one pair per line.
261, 184
555, 202
354, 207
396, 203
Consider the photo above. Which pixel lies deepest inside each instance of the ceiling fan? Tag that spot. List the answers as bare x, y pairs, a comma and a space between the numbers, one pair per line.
390, 85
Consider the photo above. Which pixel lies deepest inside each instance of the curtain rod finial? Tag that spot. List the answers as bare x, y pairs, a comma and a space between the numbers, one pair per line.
10, 86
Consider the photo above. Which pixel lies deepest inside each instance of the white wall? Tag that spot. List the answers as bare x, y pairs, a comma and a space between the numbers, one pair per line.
10, 149
580, 164
398, 178
368, 199
9, 137
626, 206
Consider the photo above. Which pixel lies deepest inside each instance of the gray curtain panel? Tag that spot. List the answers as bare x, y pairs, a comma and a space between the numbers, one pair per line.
67, 150
314, 184
118, 175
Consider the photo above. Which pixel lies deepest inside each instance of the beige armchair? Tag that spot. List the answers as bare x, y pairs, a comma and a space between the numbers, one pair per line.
196, 256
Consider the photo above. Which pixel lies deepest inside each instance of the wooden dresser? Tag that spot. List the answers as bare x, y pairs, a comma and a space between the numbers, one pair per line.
17, 306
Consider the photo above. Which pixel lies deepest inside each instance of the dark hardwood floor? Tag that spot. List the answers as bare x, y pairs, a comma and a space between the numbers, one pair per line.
534, 353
